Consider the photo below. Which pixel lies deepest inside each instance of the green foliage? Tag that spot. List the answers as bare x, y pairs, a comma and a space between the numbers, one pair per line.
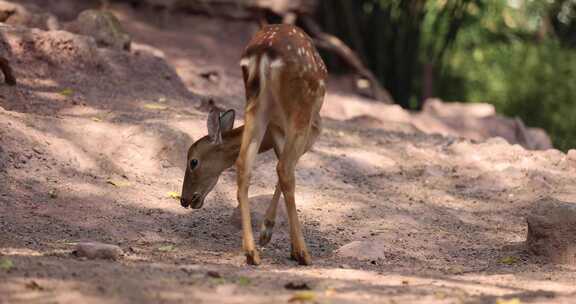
534, 82
505, 60
517, 54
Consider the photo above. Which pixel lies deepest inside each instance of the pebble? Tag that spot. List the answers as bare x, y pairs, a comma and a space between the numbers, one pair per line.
95, 250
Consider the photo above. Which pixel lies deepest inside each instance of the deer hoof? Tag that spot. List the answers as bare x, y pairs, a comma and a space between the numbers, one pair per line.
266, 232
252, 258
302, 257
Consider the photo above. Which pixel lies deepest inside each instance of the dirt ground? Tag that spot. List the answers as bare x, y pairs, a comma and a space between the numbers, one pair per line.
93, 140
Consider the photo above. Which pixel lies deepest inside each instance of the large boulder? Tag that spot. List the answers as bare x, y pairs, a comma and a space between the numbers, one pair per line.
104, 27
552, 231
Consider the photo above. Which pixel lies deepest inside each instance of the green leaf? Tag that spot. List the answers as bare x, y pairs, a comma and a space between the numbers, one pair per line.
218, 281
6, 264
244, 281
509, 260
67, 92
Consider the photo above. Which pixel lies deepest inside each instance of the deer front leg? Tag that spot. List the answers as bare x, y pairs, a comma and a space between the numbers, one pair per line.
294, 148
254, 130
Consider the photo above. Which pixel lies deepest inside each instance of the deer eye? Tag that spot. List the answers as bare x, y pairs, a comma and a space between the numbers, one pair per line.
193, 164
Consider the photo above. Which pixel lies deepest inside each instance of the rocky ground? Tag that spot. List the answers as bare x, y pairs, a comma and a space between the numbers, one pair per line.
92, 145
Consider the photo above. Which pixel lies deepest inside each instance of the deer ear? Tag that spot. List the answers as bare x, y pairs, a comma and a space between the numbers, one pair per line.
213, 125
227, 120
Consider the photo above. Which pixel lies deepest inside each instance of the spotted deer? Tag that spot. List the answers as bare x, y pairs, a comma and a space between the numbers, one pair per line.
284, 79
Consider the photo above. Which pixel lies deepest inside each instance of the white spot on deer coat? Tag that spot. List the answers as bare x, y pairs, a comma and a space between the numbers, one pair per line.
277, 63
244, 62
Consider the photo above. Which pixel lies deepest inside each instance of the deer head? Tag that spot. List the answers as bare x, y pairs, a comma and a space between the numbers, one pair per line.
207, 158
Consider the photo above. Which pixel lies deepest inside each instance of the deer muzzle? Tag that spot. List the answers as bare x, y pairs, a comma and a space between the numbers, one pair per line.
195, 201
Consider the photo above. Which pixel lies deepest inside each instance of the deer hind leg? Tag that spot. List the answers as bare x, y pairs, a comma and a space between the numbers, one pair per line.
269, 221
295, 146
267, 226
256, 120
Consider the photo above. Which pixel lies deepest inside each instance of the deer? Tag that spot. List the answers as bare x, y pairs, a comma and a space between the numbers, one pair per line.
284, 79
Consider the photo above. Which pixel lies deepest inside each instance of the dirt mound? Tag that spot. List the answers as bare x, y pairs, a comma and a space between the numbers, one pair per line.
58, 70
92, 144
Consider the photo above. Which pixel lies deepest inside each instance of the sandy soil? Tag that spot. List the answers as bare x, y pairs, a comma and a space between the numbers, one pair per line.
92, 143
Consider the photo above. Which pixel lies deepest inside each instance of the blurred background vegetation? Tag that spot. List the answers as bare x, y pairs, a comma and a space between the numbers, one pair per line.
519, 55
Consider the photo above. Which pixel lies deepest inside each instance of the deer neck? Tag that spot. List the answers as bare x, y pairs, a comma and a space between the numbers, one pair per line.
231, 142
230, 146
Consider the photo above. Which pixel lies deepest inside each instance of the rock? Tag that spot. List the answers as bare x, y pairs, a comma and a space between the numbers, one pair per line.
28, 16
104, 27
440, 108
95, 250
552, 231
368, 250
258, 205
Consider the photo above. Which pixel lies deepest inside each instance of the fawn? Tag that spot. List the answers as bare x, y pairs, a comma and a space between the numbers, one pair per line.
284, 79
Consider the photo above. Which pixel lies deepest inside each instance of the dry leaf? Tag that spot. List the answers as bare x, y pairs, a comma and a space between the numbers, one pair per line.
303, 296
167, 248
155, 106
96, 119
67, 92
509, 301
440, 295
34, 285
330, 291
118, 183
174, 195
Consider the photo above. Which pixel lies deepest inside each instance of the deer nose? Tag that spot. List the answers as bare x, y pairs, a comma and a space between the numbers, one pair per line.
195, 201
184, 202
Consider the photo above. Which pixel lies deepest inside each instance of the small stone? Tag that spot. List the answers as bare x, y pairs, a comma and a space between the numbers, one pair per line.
95, 250
365, 250
214, 274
